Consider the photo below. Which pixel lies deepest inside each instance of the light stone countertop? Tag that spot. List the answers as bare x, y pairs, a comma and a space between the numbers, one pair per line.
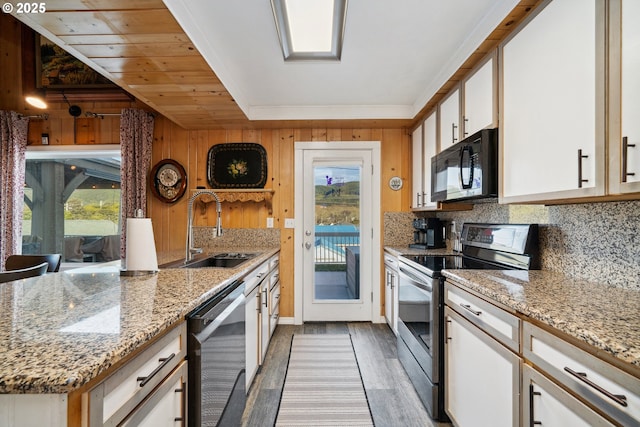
606, 318
59, 331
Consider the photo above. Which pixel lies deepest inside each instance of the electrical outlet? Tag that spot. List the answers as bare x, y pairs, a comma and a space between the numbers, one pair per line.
270, 222
289, 223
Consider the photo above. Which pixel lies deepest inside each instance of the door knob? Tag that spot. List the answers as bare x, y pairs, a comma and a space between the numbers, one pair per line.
307, 233
307, 245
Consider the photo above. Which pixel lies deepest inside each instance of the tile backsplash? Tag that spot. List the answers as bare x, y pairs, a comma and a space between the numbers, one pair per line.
594, 241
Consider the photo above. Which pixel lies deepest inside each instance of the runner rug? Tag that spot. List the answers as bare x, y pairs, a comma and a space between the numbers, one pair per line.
323, 386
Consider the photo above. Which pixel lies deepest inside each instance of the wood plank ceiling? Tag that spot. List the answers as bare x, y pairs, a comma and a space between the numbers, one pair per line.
138, 45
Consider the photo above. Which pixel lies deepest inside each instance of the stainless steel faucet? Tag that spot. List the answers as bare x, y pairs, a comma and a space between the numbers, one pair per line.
190, 251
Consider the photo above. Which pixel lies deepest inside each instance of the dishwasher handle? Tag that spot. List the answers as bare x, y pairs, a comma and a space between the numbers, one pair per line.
212, 327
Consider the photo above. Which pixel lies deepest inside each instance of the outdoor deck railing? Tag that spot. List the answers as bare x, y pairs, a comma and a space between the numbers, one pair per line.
329, 246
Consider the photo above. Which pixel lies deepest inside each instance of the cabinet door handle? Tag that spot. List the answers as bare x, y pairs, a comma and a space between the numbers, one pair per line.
265, 297
466, 125
182, 390
620, 399
453, 132
164, 362
469, 309
532, 421
625, 160
418, 200
580, 157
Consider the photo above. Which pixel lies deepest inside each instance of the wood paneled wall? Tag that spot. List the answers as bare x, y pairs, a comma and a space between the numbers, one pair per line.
190, 149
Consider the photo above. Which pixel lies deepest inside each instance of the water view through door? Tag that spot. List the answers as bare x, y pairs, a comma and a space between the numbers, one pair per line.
337, 235
337, 231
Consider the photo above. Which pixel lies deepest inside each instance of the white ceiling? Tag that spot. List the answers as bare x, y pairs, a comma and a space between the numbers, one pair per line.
396, 55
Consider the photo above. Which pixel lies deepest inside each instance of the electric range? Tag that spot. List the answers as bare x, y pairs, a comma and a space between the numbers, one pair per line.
421, 298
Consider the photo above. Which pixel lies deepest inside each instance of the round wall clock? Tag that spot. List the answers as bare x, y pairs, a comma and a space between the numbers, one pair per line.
168, 180
395, 183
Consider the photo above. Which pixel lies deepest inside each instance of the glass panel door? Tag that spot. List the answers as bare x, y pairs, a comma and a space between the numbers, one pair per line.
337, 231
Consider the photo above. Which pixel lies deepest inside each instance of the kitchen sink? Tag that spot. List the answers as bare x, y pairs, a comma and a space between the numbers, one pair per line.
221, 260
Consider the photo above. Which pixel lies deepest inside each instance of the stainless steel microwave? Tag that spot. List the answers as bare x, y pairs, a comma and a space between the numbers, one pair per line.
468, 169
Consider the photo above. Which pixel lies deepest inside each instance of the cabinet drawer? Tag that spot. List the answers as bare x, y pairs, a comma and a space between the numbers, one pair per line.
498, 323
391, 261
274, 261
255, 277
166, 405
275, 298
546, 404
114, 398
607, 388
273, 322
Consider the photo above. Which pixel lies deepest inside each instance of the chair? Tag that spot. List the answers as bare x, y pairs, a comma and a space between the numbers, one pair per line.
36, 270
17, 262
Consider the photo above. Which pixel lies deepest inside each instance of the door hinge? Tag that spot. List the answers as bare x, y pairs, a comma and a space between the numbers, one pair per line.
371, 296
371, 169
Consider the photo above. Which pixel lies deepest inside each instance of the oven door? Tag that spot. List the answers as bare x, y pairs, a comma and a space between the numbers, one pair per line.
418, 318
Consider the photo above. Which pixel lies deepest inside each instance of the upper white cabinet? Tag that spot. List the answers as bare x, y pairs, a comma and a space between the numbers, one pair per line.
424, 148
552, 123
449, 118
480, 98
417, 168
624, 161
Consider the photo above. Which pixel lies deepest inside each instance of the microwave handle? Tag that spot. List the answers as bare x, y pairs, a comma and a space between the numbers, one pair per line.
468, 149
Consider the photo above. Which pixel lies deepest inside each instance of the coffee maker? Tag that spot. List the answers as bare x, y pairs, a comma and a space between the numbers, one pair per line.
428, 234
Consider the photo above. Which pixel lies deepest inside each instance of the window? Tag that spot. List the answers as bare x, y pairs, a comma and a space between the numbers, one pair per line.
72, 203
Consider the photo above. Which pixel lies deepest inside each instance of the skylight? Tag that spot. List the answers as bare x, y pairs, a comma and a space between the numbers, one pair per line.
310, 29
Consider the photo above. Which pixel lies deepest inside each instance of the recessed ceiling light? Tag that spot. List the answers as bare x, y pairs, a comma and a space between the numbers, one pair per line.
310, 29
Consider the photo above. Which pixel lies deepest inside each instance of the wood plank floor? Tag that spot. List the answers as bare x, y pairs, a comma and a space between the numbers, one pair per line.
391, 396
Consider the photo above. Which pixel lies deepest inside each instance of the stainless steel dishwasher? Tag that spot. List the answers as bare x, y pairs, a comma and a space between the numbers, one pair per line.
216, 355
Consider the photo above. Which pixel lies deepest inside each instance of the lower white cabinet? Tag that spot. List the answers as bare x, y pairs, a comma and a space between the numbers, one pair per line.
482, 377
166, 405
614, 392
497, 363
120, 395
262, 308
546, 404
252, 329
391, 291
265, 320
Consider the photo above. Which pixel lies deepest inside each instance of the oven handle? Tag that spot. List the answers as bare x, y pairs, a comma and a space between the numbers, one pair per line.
415, 280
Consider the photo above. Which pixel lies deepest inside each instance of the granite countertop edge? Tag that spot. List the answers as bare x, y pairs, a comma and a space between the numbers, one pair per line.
606, 318
24, 370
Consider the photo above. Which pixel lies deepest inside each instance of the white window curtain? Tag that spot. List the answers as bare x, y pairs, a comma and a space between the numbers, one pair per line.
136, 138
13, 140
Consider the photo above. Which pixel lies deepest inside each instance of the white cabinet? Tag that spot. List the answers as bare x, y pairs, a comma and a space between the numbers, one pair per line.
552, 116
417, 168
252, 333
546, 404
118, 396
480, 98
449, 119
391, 275
482, 377
262, 292
424, 142
482, 369
600, 384
166, 406
624, 152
